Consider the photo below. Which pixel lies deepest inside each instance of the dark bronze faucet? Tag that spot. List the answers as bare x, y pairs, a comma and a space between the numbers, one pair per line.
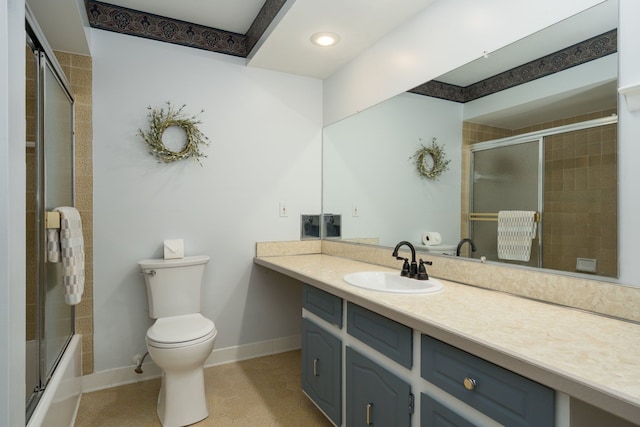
412, 270
462, 242
407, 270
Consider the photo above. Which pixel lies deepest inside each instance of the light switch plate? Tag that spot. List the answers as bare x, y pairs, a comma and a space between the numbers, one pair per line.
173, 249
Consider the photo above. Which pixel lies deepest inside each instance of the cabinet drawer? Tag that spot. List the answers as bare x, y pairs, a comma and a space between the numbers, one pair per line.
433, 414
501, 394
323, 304
322, 369
390, 338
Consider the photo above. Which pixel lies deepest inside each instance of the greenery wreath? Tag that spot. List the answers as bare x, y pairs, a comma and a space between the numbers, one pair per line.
430, 161
161, 119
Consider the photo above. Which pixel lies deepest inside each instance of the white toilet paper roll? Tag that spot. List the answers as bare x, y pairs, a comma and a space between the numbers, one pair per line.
430, 238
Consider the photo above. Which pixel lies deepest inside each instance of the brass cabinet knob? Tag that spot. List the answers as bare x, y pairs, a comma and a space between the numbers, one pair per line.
469, 383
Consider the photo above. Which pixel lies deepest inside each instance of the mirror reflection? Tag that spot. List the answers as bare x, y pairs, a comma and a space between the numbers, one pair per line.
530, 136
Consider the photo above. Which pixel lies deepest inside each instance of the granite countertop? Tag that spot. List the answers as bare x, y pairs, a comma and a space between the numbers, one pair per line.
591, 357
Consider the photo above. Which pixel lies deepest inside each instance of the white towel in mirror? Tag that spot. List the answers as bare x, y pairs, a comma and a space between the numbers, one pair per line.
516, 231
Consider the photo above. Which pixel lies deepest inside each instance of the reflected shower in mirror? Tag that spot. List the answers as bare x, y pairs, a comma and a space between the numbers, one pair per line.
544, 87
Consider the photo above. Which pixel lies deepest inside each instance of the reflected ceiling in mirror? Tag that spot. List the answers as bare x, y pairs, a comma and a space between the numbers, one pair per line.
367, 158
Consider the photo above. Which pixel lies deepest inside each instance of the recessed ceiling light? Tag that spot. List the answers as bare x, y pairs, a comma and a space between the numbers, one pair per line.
325, 39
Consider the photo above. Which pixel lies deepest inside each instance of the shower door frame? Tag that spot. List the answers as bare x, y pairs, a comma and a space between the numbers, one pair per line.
508, 142
46, 64
528, 137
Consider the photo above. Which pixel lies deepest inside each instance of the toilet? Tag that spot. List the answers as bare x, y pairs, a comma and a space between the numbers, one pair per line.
180, 339
438, 249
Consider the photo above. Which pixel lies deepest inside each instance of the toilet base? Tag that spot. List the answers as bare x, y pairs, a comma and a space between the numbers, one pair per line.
177, 408
182, 399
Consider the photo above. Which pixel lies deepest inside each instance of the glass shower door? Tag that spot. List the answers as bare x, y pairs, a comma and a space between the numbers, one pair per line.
50, 184
504, 177
58, 191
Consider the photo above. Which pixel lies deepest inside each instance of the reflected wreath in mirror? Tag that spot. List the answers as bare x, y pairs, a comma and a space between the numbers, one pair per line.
430, 161
160, 120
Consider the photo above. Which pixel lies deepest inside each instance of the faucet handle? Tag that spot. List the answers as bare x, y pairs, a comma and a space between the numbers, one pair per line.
422, 270
405, 267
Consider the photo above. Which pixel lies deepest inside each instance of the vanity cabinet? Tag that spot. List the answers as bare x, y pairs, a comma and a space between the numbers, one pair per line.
502, 395
322, 353
374, 395
368, 361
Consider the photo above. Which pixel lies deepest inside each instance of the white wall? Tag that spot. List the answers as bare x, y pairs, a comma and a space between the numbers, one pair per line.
629, 149
265, 132
372, 150
444, 36
12, 213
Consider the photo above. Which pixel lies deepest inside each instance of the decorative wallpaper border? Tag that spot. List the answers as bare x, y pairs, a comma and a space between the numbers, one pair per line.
131, 22
580, 53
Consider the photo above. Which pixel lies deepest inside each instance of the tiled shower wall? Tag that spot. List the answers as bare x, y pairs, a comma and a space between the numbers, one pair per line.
581, 199
78, 70
580, 211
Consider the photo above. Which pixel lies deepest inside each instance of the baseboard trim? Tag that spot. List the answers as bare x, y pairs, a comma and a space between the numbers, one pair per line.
126, 375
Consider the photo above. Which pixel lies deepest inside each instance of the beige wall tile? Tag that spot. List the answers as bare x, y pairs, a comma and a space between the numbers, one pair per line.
78, 69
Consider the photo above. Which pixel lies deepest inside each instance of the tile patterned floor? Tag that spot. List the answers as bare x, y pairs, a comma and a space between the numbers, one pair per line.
261, 392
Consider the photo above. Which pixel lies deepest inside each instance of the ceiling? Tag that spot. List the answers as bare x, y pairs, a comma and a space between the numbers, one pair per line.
589, 23
285, 45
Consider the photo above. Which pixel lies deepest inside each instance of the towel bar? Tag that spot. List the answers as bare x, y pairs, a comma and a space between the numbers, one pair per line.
478, 216
51, 220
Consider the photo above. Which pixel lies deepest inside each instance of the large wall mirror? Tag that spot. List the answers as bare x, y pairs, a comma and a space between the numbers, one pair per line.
539, 115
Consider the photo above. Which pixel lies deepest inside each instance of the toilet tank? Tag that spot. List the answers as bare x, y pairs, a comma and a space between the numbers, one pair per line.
173, 285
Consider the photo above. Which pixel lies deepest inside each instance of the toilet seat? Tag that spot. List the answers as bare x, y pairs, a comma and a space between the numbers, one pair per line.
180, 331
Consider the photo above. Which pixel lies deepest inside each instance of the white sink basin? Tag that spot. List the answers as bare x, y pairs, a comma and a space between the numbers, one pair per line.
392, 282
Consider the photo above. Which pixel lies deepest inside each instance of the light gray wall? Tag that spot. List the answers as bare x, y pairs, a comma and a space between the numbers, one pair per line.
265, 132
629, 149
367, 162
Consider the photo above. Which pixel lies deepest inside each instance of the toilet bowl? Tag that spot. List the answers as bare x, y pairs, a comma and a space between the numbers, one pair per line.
174, 345
180, 339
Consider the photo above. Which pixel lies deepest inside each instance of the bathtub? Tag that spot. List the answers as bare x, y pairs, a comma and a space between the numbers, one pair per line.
59, 403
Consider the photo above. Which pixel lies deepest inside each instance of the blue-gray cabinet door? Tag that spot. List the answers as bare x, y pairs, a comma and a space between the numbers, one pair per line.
322, 369
375, 396
433, 414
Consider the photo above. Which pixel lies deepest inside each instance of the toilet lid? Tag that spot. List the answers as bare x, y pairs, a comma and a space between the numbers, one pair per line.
180, 329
